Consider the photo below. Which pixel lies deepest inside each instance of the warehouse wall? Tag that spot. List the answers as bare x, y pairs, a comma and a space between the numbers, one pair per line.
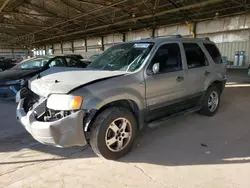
15, 53
228, 49
231, 34
110, 40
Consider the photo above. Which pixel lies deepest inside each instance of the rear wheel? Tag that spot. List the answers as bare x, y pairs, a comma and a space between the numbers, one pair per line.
113, 133
211, 101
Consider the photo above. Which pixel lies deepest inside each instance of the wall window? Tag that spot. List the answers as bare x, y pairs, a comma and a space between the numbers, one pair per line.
195, 56
214, 53
169, 58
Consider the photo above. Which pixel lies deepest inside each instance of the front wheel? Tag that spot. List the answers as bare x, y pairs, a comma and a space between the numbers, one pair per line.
211, 101
113, 133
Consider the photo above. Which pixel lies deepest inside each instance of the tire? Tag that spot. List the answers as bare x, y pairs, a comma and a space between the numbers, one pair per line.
105, 127
206, 107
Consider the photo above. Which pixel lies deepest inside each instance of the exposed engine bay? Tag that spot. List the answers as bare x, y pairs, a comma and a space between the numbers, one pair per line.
38, 104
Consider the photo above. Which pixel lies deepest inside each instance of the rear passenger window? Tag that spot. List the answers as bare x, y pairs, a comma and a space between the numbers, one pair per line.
169, 58
214, 53
71, 62
195, 56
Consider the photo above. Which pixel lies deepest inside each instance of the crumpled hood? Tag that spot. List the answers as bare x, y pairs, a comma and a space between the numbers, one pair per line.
63, 80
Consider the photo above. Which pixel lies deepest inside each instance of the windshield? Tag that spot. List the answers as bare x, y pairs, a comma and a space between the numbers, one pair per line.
122, 57
32, 63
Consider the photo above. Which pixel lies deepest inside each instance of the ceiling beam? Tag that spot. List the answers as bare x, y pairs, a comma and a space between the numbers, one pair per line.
6, 35
146, 5
182, 11
240, 3
22, 25
40, 8
5, 3
30, 14
156, 4
188, 7
80, 10
75, 18
98, 4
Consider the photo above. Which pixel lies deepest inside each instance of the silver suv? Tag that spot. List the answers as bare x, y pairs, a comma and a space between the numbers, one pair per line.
128, 87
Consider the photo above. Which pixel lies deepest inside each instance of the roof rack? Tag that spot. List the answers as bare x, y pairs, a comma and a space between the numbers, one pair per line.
168, 36
206, 38
176, 36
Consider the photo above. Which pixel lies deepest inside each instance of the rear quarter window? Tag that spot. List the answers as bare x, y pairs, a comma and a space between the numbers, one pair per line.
214, 53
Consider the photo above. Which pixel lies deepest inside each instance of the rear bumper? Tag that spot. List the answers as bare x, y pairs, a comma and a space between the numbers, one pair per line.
64, 132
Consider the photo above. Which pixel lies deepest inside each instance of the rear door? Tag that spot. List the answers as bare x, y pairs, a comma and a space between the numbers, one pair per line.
219, 67
198, 68
165, 90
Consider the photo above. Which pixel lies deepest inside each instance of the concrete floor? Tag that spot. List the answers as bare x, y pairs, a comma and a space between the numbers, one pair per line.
189, 152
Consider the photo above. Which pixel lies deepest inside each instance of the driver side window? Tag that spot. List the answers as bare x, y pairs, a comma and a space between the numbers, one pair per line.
169, 58
58, 62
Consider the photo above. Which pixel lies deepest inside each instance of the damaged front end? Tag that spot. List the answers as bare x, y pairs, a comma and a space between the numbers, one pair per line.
62, 128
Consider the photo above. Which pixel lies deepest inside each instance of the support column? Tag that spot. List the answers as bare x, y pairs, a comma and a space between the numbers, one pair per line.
62, 47
53, 51
12, 53
86, 47
124, 37
192, 29
72, 47
45, 49
102, 44
153, 32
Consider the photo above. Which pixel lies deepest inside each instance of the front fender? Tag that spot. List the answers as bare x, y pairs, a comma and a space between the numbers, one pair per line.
106, 97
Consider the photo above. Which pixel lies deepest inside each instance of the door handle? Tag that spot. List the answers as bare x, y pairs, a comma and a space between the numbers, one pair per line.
206, 73
179, 79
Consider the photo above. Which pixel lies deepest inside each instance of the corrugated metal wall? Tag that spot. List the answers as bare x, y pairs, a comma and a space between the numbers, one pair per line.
138, 35
57, 48
13, 53
231, 34
172, 30
110, 40
229, 48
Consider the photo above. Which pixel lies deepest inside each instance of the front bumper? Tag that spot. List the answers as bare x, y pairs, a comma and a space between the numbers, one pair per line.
64, 132
9, 92
224, 84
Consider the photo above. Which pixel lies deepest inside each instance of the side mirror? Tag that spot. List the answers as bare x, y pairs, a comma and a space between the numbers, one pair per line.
156, 68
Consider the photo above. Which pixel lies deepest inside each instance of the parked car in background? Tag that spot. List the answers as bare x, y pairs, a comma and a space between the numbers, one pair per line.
6, 64
94, 56
13, 79
129, 86
90, 59
76, 56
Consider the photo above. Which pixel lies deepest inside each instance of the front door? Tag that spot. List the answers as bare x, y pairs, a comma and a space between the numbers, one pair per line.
166, 88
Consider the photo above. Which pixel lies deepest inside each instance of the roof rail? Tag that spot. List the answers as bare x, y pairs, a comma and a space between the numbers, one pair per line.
168, 36
177, 36
206, 38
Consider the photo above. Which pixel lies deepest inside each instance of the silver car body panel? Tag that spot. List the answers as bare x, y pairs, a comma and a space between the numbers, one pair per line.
63, 80
65, 132
129, 87
99, 88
